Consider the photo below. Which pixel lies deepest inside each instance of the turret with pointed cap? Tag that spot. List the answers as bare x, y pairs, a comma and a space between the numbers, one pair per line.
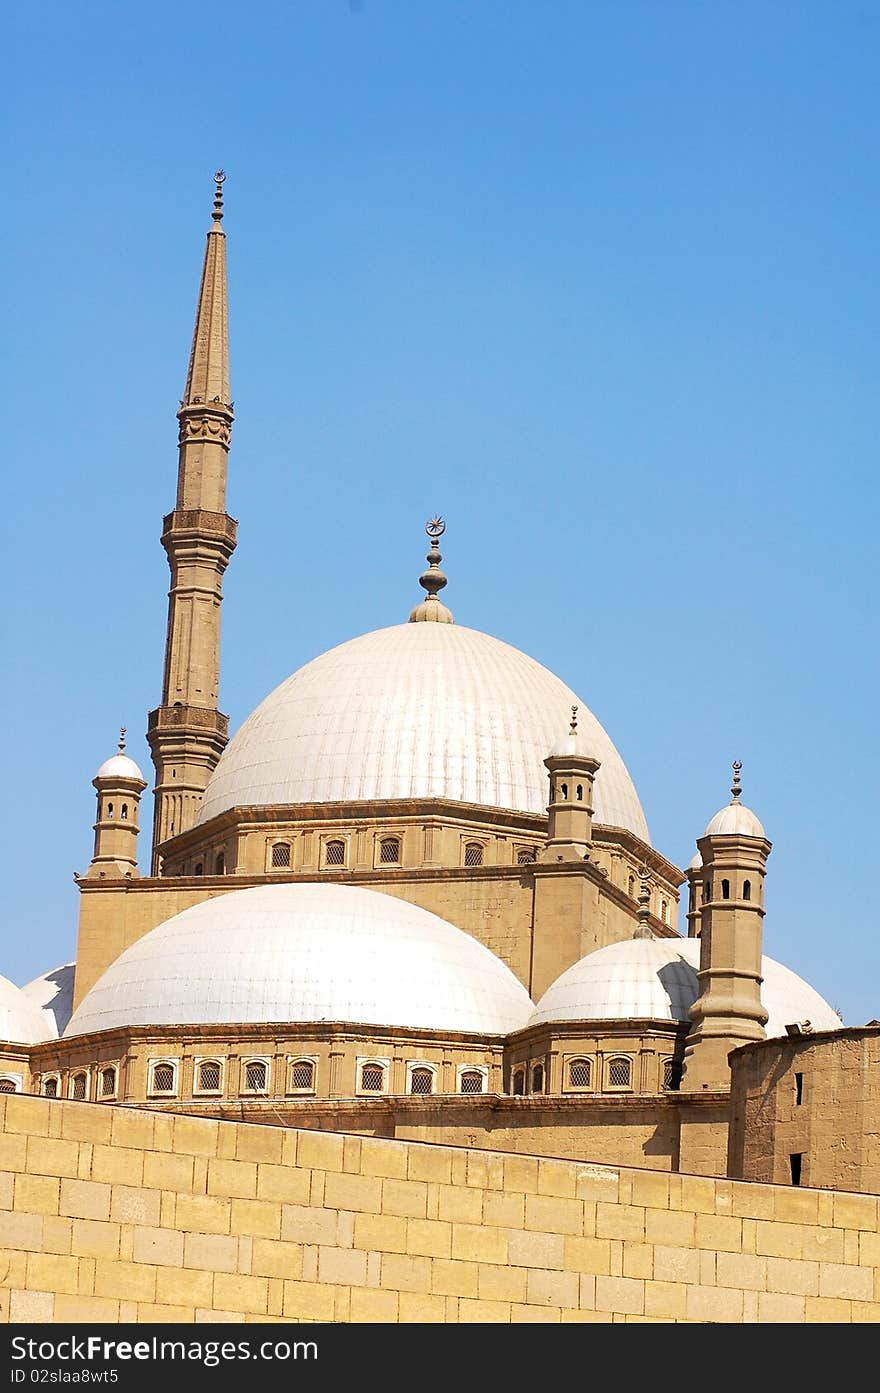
187, 733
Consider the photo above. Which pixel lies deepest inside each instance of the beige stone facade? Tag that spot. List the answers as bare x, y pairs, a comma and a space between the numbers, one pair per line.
117, 1215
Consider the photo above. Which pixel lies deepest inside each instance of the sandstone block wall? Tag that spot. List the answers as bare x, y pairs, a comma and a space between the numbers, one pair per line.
111, 1214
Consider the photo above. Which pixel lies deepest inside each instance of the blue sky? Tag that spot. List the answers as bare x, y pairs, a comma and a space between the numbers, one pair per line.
598, 281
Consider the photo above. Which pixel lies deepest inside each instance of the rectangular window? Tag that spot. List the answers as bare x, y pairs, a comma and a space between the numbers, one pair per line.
798, 1089
796, 1162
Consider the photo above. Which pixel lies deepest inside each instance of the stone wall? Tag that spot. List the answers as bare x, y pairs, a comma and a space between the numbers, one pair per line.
788, 1097
110, 1214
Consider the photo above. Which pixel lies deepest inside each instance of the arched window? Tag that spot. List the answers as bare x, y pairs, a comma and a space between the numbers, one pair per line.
164, 1078
124, 813
471, 1081
619, 1072
256, 1075
334, 853
725, 889
580, 793
302, 1076
707, 890
109, 809
8, 1086
208, 1076
631, 886
538, 1078
525, 856
78, 1087
564, 791
200, 869
519, 1082
671, 1074
580, 1073
389, 851
108, 1081
220, 864
372, 1077
747, 889
281, 854
421, 1081
50, 1088
473, 854
664, 911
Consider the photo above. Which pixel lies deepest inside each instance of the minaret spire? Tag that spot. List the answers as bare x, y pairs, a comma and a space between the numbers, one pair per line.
432, 581
187, 733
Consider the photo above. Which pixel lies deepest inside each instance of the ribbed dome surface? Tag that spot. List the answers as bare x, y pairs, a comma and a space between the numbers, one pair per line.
119, 766
656, 979
307, 952
735, 820
21, 1020
416, 711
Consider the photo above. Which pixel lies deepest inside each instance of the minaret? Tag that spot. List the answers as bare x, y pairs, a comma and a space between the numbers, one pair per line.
728, 1011
432, 609
119, 783
187, 732
572, 769
695, 894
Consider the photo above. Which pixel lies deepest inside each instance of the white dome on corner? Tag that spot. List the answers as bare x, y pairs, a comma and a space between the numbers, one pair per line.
656, 979
416, 711
735, 820
21, 1020
119, 766
53, 993
307, 953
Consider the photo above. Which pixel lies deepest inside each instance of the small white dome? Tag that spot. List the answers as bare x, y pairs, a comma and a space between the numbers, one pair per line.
307, 952
696, 862
656, 979
415, 711
572, 746
53, 993
21, 1020
735, 820
119, 766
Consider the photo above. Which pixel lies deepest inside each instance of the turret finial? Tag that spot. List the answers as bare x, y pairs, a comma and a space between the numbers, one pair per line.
122, 740
643, 914
219, 181
735, 788
574, 720
433, 580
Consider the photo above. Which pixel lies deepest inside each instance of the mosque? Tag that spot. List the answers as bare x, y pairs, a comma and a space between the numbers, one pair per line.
415, 896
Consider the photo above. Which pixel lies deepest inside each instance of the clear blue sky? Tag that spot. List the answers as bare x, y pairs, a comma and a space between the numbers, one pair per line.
597, 280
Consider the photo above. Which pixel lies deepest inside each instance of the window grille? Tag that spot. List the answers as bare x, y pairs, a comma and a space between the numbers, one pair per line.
473, 854
538, 1079
302, 1074
163, 1078
209, 1075
580, 1073
256, 1075
334, 854
389, 851
421, 1081
671, 1074
8, 1086
108, 1083
78, 1089
50, 1088
281, 854
525, 856
619, 1073
471, 1081
372, 1078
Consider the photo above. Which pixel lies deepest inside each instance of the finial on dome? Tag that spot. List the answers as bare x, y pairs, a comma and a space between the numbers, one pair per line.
219, 181
433, 580
643, 913
735, 789
574, 720
122, 730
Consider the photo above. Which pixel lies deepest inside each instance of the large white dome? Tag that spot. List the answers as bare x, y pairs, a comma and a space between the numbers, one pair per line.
307, 953
21, 1021
656, 979
416, 711
53, 993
